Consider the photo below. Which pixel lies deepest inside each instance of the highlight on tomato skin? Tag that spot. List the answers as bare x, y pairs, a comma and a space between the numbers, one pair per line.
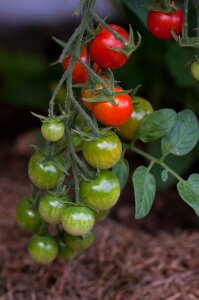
79, 74
160, 24
101, 53
114, 115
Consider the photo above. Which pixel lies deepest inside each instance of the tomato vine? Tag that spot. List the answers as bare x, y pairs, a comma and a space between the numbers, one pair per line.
95, 177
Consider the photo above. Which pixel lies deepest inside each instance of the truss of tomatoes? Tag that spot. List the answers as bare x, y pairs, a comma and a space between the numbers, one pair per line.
76, 221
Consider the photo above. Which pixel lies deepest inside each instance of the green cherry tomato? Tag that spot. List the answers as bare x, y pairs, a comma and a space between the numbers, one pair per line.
51, 208
142, 108
76, 141
43, 174
101, 215
79, 243
195, 70
65, 252
104, 152
52, 131
43, 249
27, 216
102, 192
78, 220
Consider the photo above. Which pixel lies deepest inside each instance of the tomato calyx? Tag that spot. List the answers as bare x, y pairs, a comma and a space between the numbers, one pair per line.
166, 6
130, 46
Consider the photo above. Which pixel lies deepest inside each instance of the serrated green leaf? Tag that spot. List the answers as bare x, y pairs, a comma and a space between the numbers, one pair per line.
121, 170
156, 125
184, 136
189, 191
164, 175
144, 186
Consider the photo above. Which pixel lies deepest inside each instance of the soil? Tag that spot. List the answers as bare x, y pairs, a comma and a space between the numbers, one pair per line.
153, 259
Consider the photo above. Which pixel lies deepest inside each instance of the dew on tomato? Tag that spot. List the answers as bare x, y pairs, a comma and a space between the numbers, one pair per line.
104, 152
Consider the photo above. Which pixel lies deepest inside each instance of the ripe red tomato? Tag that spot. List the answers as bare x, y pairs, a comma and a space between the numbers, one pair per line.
160, 23
80, 74
114, 115
101, 52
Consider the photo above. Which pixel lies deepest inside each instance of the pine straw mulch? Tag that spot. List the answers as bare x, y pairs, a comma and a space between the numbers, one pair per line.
125, 262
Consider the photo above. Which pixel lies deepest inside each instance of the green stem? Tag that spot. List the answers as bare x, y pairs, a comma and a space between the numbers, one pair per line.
76, 180
153, 160
185, 24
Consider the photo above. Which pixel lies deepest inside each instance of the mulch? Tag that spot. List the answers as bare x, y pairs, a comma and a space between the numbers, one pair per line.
126, 262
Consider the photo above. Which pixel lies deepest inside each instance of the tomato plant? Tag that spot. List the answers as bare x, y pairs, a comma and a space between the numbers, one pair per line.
96, 176
161, 24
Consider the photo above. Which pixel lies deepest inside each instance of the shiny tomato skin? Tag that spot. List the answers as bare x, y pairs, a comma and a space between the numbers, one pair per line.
141, 109
79, 243
78, 220
43, 249
104, 152
79, 74
101, 53
51, 208
27, 216
43, 174
114, 115
101, 193
195, 70
160, 23
52, 131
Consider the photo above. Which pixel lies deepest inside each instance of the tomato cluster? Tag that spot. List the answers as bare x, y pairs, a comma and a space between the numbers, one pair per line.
54, 204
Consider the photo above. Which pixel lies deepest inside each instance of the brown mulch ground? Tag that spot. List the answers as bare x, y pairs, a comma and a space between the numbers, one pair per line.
126, 262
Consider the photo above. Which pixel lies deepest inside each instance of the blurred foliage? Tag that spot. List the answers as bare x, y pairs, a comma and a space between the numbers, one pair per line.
24, 79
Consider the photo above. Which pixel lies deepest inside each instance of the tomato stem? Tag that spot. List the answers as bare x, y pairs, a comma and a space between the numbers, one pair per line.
185, 24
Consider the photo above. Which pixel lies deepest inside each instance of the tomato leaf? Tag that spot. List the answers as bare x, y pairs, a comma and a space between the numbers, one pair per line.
121, 170
156, 125
144, 186
189, 191
184, 136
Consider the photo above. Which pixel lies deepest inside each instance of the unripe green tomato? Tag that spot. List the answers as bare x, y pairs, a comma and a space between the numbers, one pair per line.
27, 216
104, 152
102, 192
101, 215
142, 108
79, 243
51, 208
43, 174
76, 141
195, 70
65, 252
78, 220
52, 131
43, 249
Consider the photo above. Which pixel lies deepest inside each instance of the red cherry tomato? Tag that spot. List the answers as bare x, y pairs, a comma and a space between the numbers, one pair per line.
160, 24
114, 115
101, 52
80, 74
